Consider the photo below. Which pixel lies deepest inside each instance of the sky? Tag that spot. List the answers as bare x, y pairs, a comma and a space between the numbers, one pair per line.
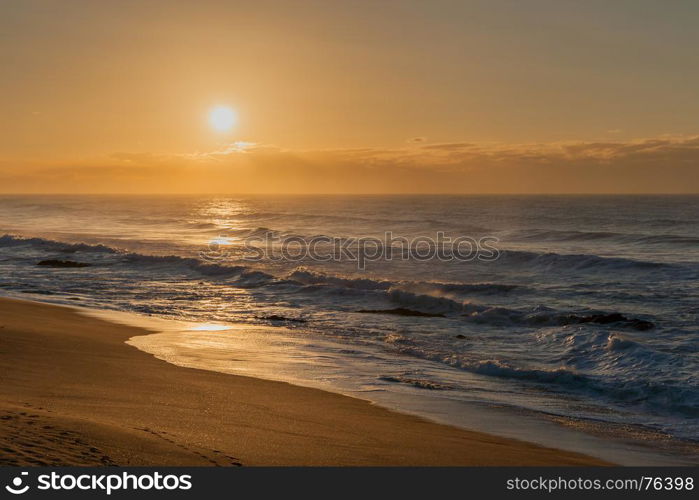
366, 96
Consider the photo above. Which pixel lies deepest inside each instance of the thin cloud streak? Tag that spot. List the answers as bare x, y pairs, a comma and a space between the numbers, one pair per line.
664, 164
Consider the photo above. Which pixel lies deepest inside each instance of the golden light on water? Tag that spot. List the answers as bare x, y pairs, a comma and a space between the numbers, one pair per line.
222, 118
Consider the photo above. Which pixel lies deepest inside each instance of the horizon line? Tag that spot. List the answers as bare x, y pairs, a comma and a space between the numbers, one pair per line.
352, 194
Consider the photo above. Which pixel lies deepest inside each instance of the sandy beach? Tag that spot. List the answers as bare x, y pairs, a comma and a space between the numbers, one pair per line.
73, 393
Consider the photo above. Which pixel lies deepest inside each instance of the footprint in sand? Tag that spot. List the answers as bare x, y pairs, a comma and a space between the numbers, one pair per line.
30, 439
218, 459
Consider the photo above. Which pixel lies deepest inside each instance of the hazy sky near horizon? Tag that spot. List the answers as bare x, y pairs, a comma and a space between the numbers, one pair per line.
352, 96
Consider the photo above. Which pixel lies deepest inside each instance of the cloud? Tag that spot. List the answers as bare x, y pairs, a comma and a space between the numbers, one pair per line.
662, 164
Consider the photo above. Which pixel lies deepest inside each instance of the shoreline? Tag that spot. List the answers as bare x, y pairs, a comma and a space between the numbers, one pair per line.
251, 350
75, 393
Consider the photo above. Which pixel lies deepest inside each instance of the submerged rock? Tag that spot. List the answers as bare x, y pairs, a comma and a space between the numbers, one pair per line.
607, 319
275, 317
62, 263
401, 311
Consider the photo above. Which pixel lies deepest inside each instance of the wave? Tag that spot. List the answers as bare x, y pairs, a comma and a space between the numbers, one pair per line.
664, 396
553, 235
503, 316
578, 262
301, 218
510, 258
420, 383
537, 317
204, 268
245, 275
430, 303
308, 277
418, 298
9, 240
561, 235
432, 288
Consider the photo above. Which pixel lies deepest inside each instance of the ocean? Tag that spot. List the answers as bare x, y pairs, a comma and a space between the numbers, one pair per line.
581, 311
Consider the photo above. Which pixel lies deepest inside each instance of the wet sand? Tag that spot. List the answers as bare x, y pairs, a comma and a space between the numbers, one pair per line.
73, 393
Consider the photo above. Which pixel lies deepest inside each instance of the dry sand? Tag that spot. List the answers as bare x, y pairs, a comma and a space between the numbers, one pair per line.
73, 393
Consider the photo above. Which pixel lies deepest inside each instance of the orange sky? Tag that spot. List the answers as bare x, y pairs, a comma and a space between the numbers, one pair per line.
355, 97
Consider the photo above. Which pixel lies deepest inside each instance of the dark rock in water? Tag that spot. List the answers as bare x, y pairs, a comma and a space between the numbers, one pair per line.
401, 311
459, 336
607, 319
641, 324
39, 292
275, 317
604, 319
62, 263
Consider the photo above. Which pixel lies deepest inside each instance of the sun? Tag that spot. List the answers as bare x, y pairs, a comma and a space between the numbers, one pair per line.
222, 118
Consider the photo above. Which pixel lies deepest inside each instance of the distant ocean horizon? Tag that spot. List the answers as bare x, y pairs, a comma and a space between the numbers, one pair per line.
586, 310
